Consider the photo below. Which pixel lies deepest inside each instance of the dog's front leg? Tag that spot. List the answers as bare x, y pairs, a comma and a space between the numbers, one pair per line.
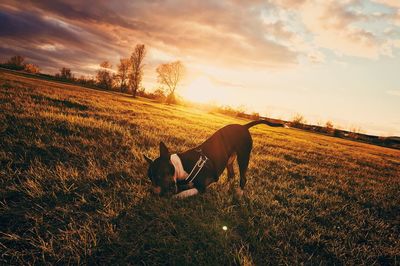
186, 193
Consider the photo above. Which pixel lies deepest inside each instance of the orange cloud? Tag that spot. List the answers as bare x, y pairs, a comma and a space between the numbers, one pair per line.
391, 3
221, 33
332, 26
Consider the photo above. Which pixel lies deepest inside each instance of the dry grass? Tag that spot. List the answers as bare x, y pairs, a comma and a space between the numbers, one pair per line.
73, 188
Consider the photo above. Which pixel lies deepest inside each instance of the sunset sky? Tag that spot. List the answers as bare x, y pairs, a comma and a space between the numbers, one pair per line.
325, 59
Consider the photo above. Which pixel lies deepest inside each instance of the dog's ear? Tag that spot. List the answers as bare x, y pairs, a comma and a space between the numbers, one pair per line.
147, 159
164, 153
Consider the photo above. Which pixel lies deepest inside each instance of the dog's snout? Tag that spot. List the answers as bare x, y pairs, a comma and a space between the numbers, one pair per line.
169, 189
156, 190
172, 188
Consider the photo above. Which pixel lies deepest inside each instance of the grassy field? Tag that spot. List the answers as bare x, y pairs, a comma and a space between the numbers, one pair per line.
73, 188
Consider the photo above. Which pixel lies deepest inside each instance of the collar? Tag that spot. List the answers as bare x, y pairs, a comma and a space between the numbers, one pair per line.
180, 173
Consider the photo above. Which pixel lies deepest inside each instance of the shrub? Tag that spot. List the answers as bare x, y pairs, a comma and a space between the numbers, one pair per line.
329, 127
298, 121
31, 68
255, 116
354, 132
15, 63
171, 99
16, 60
141, 92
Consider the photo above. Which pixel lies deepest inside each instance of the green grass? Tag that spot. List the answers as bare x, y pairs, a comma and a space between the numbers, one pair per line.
74, 189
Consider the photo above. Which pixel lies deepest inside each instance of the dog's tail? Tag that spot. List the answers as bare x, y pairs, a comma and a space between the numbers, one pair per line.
265, 122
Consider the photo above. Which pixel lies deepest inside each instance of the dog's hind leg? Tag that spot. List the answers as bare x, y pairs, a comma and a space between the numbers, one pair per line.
229, 167
243, 161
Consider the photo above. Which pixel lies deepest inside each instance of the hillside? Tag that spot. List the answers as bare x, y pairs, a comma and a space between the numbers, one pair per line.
74, 187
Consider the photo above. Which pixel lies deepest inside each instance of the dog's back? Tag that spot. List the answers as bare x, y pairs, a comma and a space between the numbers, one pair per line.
229, 140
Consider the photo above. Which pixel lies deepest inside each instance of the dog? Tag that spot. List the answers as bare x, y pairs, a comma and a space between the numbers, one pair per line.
189, 173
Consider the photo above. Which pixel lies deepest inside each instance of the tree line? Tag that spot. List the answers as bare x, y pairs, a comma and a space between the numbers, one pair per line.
127, 78
17, 62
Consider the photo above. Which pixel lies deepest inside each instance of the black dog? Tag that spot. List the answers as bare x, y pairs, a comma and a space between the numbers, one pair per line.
205, 163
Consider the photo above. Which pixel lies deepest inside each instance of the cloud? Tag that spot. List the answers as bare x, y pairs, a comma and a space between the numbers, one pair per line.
334, 26
221, 33
288, 3
252, 34
279, 31
396, 18
52, 42
390, 3
28, 26
393, 92
316, 57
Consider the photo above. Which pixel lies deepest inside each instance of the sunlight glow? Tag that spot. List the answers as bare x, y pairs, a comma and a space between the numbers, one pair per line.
201, 90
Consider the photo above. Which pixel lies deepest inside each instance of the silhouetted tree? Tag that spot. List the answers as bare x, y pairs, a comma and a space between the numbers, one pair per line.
170, 74
104, 76
298, 121
136, 68
329, 127
354, 132
86, 81
90, 81
123, 72
81, 80
17, 61
65, 73
255, 116
159, 95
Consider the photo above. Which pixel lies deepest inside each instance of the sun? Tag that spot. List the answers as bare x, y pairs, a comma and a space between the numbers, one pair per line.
201, 90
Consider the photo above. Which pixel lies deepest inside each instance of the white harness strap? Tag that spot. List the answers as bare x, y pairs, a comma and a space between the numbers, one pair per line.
197, 168
180, 173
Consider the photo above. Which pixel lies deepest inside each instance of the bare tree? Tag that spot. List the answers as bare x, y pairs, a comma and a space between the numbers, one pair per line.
65, 73
170, 74
123, 72
329, 127
136, 69
104, 76
298, 121
16, 60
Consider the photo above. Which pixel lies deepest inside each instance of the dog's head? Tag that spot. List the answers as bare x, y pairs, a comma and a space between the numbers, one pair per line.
161, 173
